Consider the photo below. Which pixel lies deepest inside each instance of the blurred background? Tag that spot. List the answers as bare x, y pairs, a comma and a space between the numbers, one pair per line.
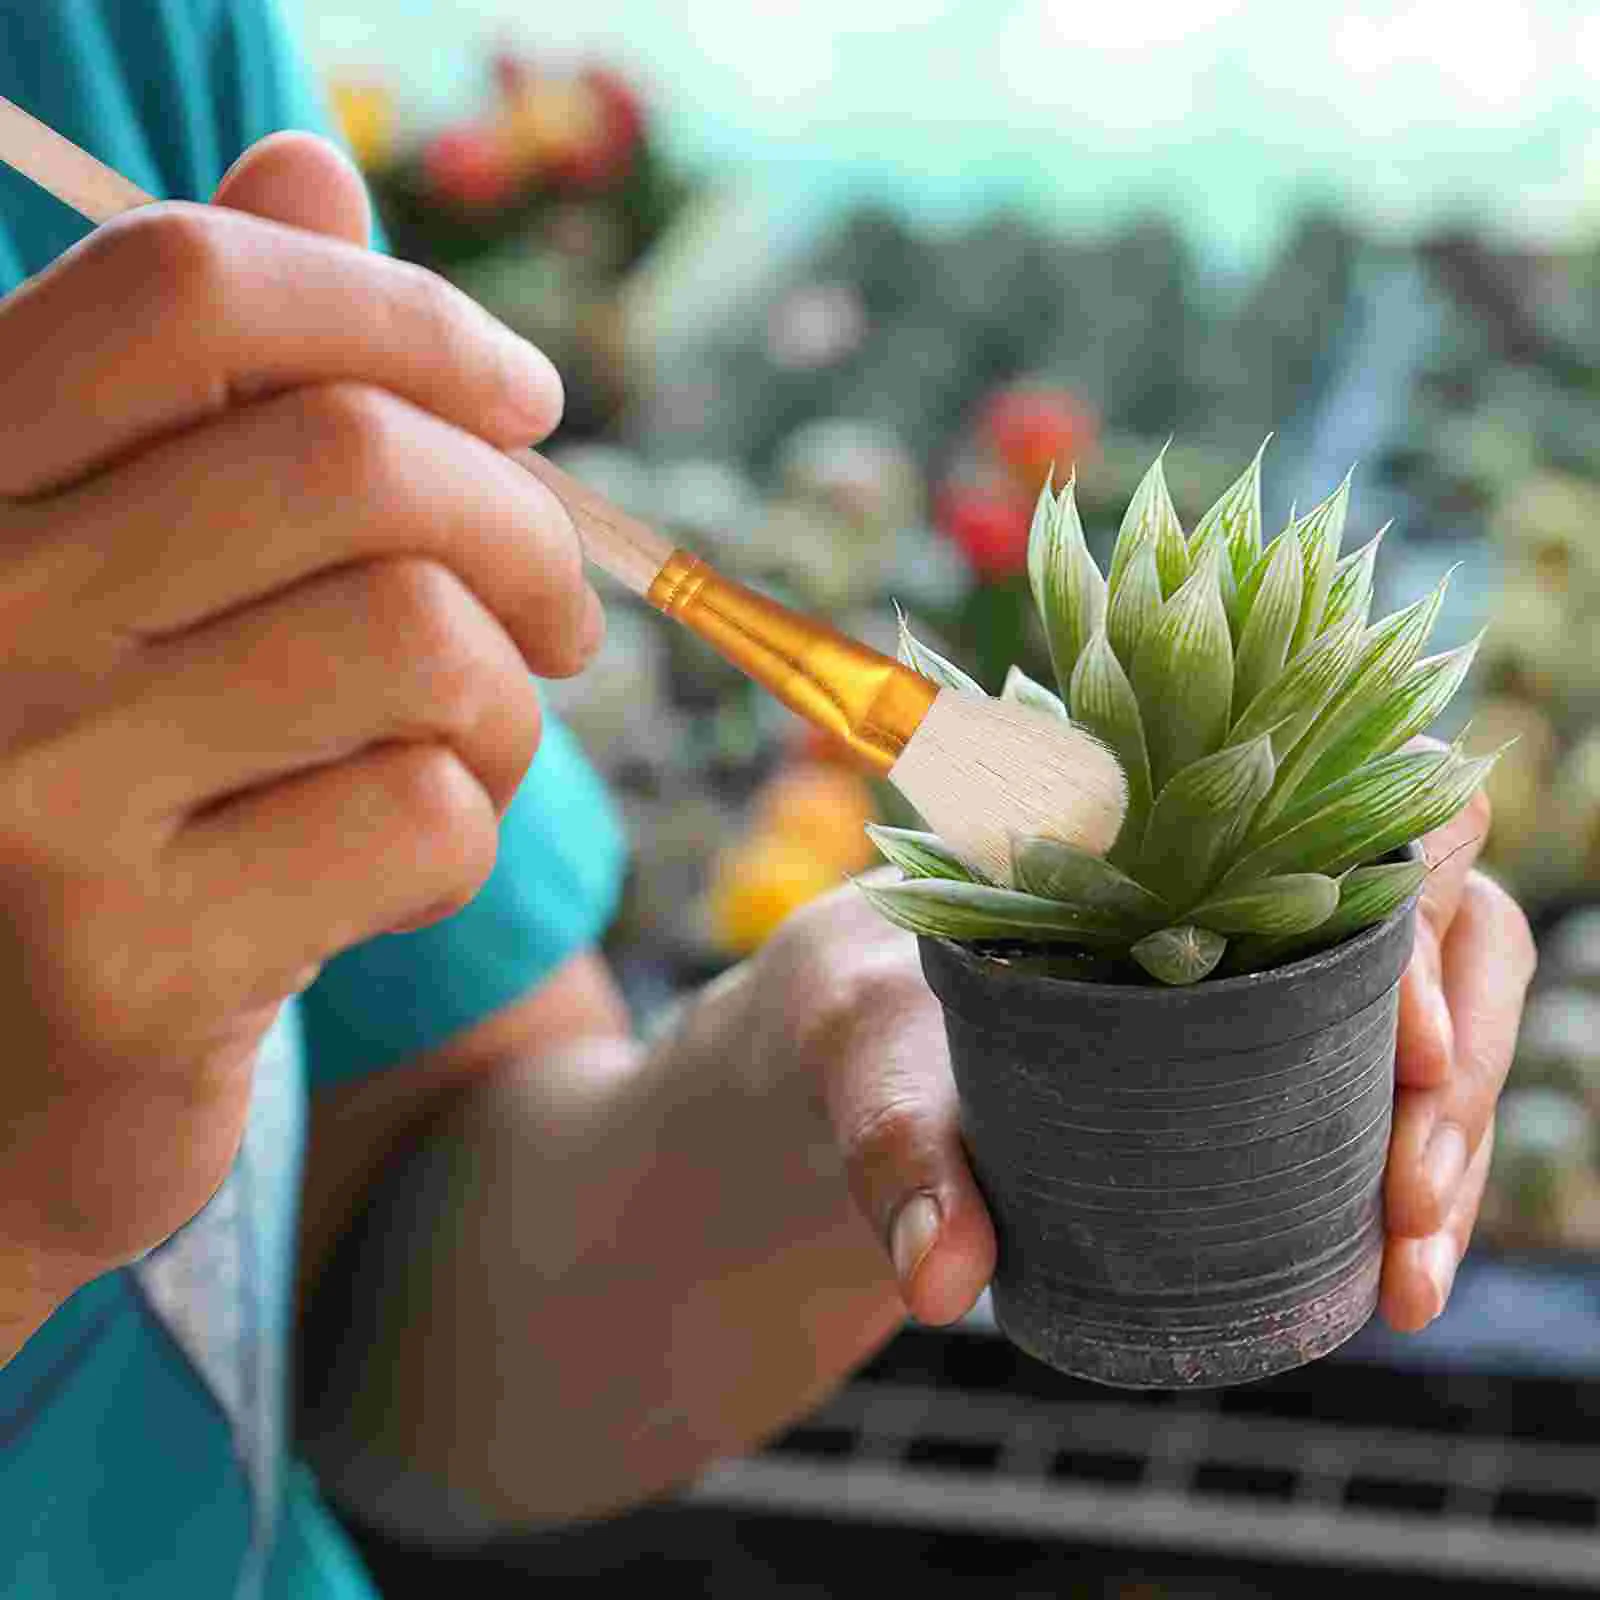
831, 286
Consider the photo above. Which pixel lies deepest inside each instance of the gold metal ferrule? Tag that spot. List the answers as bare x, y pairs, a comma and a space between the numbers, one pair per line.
868, 701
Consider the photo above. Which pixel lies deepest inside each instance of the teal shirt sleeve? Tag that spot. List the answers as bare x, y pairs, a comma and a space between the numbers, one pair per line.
552, 894
259, 79
169, 92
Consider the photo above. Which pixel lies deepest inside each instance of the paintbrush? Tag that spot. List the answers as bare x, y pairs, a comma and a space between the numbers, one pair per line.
981, 772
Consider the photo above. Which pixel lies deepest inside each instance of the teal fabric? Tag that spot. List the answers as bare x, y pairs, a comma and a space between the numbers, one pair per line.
100, 1422
143, 1438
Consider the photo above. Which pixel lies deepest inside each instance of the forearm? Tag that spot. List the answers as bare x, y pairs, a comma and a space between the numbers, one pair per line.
601, 1274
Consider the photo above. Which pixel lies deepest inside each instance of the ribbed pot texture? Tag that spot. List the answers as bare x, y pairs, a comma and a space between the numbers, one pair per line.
1186, 1182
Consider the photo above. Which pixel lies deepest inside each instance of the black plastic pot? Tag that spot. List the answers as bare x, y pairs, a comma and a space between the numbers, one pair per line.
1186, 1183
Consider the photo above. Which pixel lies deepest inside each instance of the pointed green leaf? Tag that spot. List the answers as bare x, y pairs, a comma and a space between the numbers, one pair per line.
1180, 955
1151, 519
1320, 531
916, 655
1039, 534
1388, 652
1318, 834
1367, 896
1291, 903
919, 855
1274, 611
1408, 709
1393, 645
1294, 700
1437, 805
1068, 589
1227, 587
1250, 583
1172, 556
1183, 674
1056, 870
1235, 522
971, 912
1026, 692
1135, 604
1353, 578
1370, 894
1103, 701
1371, 780
1195, 817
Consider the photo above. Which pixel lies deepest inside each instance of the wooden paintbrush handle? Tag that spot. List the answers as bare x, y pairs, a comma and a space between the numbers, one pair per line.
72, 175
618, 544
615, 542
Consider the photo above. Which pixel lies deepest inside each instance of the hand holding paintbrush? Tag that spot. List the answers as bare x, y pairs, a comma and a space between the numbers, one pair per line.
981, 772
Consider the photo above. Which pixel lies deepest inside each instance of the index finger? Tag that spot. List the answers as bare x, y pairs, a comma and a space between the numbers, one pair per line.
873, 1036
167, 316
1426, 1032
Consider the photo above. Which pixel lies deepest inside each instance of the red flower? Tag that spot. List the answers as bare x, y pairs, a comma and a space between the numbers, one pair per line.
988, 526
606, 158
468, 166
624, 109
1029, 427
513, 72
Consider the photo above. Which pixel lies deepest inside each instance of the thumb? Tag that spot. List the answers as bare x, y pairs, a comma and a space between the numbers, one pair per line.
301, 180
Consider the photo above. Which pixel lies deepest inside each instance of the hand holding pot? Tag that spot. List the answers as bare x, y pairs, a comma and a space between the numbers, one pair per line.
839, 993
847, 990
1460, 1006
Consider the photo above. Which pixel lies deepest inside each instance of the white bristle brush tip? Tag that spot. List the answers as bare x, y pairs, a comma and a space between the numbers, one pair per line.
981, 772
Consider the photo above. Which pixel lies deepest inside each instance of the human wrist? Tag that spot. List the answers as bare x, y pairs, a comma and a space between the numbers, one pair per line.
32, 1290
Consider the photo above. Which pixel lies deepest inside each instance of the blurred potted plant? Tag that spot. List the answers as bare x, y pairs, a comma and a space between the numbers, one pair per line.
538, 205
985, 506
805, 835
1176, 1064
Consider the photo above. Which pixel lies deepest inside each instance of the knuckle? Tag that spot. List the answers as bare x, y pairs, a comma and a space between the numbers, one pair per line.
447, 814
1492, 904
346, 441
877, 977
887, 1128
852, 990
178, 252
433, 313
421, 608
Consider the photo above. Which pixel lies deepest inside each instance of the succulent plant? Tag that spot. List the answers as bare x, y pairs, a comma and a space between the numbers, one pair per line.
1265, 727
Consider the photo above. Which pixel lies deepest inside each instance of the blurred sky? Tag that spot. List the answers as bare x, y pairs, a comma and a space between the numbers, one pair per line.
1224, 112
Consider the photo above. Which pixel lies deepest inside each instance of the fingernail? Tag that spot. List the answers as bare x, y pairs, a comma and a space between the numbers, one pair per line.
1445, 1162
592, 630
1439, 1261
1444, 1025
535, 395
915, 1230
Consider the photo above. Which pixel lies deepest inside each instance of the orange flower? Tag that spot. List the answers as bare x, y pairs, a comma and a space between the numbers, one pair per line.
822, 807
365, 116
759, 883
551, 123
